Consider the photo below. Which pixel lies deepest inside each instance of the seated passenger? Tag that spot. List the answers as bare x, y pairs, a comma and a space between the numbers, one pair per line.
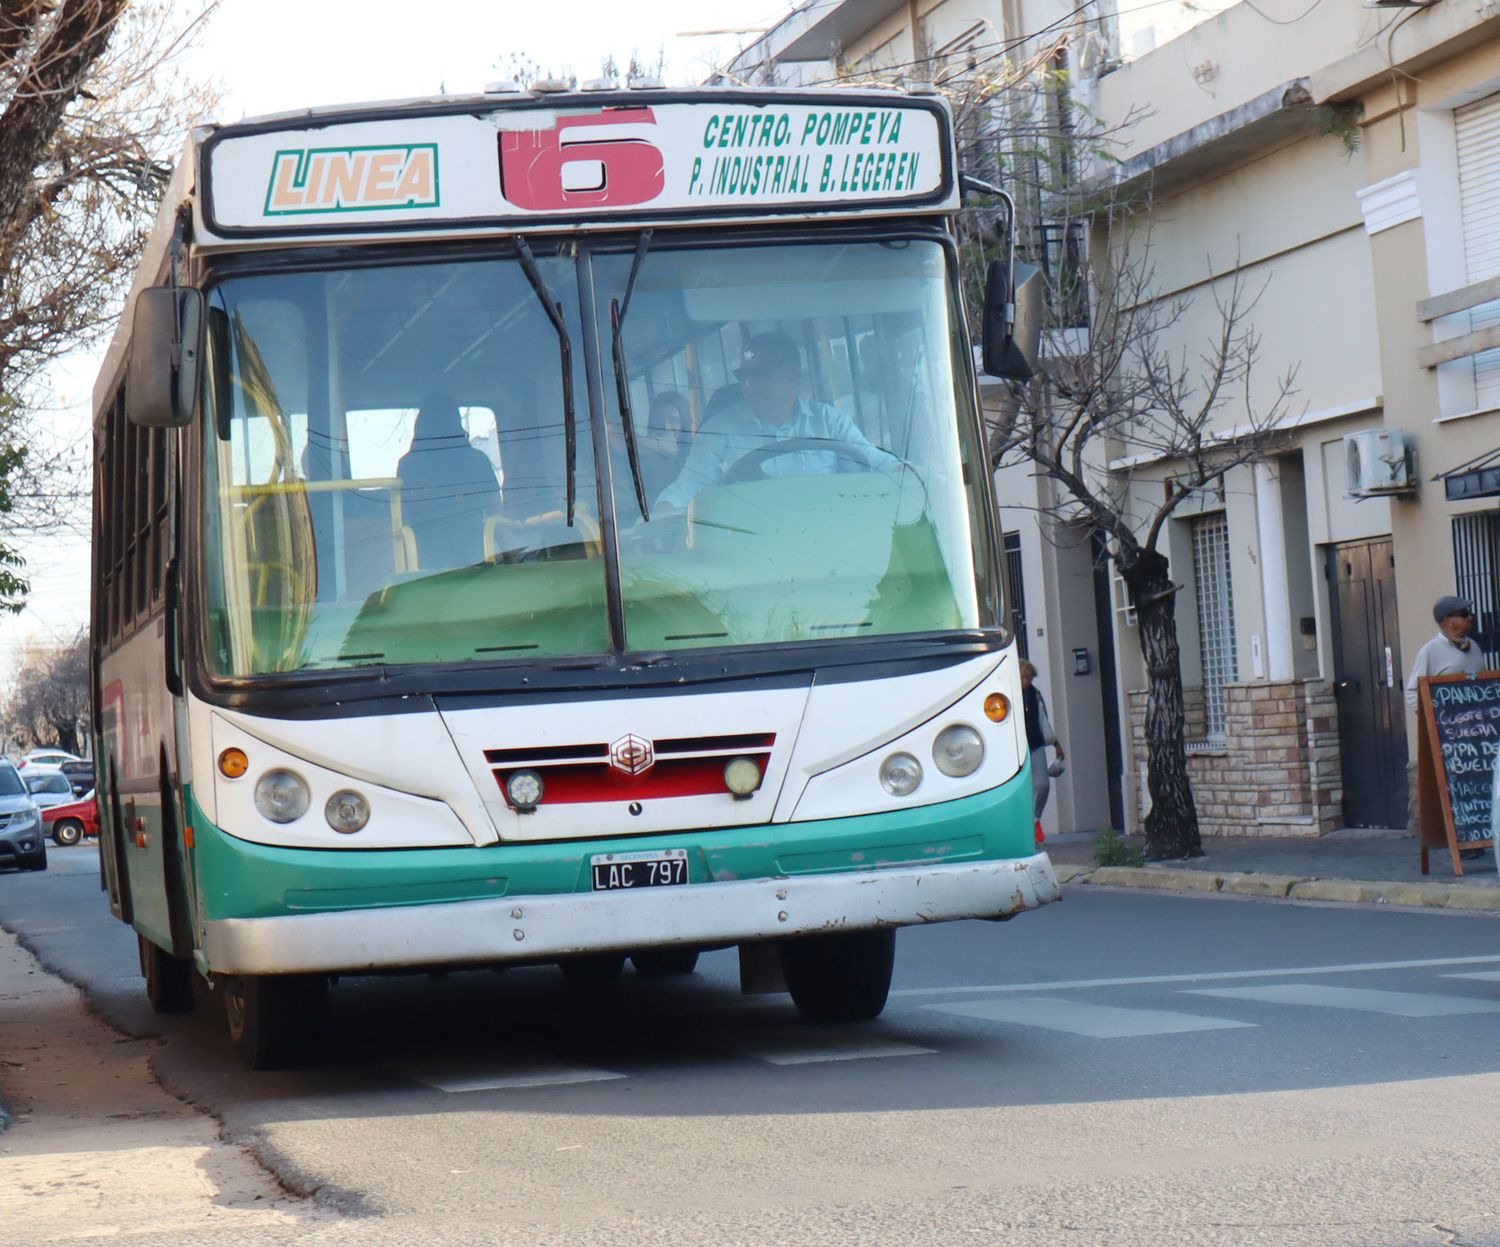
665, 440
448, 488
772, 410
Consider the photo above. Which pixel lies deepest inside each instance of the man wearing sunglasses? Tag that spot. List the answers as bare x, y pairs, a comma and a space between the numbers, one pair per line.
1452, 652
770, 411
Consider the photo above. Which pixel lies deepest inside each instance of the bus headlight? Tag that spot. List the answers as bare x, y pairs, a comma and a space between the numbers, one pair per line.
742, 776
524, 788
958, 750
347, 811
282, 796
900, 774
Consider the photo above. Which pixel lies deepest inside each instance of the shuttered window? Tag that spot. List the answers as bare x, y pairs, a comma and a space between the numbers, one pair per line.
1477, 128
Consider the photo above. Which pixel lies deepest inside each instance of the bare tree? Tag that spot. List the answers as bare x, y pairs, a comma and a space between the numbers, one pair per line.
1139, 388
91, 114
1193, 406
49, 701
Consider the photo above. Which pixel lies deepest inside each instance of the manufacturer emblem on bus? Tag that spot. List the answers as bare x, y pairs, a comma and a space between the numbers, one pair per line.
632, 755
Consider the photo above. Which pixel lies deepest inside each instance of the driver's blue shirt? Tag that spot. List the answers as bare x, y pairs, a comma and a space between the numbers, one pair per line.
730, 436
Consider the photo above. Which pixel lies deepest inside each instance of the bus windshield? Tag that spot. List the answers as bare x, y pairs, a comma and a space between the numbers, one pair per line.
793, 456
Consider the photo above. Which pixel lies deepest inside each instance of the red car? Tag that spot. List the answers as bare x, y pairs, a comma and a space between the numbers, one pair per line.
70, 823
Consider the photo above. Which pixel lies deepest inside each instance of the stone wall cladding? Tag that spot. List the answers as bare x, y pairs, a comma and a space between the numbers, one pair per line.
1276, 772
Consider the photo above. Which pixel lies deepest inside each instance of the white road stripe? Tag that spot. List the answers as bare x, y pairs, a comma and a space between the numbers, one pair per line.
1484, 976
500, 1071
1094, 1021
807, 1045
1361, 999
972, 989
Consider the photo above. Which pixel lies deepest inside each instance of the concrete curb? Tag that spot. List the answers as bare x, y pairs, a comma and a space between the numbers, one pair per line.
1291, 887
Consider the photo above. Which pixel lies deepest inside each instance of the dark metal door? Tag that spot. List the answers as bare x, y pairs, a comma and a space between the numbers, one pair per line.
1368, 682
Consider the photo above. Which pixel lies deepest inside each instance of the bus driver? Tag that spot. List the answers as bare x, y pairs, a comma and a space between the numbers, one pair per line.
772, 411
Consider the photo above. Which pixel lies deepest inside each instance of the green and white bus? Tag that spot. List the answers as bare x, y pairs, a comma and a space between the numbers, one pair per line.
553, 528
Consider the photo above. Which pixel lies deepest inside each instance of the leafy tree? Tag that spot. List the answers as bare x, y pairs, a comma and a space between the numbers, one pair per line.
91, 112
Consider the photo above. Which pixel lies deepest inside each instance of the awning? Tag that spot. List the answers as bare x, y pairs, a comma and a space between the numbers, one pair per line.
1479, 478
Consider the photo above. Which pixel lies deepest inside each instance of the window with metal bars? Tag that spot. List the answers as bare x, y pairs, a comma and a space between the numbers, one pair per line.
1215, 596
1476, 576
1015, 585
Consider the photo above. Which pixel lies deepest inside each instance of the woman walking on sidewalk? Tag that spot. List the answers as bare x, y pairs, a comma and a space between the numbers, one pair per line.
1039, 735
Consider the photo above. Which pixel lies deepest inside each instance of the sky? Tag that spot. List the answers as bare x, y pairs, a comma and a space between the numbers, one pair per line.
270, 56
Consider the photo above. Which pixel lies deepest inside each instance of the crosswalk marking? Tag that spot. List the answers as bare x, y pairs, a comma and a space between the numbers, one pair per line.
1361, 999
806, 1045
1090, 1020
501, 1071
1146, 980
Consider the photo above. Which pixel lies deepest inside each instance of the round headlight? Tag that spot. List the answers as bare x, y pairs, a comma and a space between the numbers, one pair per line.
900, 774
347, 811
282, 796
741, 776
524, 788
958, 750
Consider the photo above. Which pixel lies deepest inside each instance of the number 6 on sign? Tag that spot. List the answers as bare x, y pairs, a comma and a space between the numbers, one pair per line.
583, 162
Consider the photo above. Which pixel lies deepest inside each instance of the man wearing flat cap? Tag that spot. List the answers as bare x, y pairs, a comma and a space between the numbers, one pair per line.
1452, 652
771, 410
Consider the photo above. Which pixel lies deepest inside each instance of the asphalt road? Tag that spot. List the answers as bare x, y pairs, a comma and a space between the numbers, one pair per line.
1120, 1068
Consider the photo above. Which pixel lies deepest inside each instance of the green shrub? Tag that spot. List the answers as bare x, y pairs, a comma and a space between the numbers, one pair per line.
1111, 850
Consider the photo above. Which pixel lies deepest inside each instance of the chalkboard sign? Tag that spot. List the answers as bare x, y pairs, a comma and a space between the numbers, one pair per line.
1458, 748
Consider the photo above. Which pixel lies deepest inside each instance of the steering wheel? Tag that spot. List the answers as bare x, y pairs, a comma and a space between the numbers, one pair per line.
748, 466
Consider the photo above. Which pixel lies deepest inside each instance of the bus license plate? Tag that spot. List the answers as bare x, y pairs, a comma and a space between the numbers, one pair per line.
662, 868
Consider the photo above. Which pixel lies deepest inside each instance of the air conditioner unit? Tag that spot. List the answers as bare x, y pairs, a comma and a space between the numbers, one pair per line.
1378, 463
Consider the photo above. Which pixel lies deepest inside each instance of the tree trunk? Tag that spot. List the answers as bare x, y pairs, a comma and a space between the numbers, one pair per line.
1172, 825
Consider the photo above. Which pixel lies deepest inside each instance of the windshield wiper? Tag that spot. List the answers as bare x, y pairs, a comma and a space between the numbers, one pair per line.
565, 349
617, 310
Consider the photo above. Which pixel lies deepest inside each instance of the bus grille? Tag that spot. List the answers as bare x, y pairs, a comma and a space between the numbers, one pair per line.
680, 767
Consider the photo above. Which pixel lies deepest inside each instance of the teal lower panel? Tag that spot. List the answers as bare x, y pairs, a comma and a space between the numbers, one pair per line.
239, 879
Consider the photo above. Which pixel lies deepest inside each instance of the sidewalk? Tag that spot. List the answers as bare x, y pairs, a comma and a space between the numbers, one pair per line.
1383, 867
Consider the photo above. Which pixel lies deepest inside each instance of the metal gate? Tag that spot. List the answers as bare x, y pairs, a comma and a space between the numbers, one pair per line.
1476, 568
1367, 674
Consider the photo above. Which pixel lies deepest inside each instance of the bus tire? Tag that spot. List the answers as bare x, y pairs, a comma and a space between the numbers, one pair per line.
67, 831
274, 1020
656, 963
593, 967
169, 979
844, 977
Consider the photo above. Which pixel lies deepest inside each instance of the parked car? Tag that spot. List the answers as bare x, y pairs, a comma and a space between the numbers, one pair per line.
81, 775
48, 788
22, 844
70, 823
50, 758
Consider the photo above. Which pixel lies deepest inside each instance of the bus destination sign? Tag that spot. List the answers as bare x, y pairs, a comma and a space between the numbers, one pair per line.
591, 162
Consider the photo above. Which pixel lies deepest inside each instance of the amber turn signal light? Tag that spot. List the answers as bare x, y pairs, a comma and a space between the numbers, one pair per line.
997, 707
233, 763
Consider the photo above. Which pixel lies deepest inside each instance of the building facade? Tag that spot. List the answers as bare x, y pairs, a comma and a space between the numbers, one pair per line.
1342, 164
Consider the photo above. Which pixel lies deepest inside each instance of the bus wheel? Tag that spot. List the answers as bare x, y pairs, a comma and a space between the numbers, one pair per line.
67, 831
593, 968
661, 962
274, 1019
839, 978
169, 979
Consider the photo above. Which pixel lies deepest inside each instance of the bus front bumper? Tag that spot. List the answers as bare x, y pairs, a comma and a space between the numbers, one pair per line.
540, 928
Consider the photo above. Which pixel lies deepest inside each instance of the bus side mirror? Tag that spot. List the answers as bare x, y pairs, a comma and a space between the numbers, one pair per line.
1012, 321
166, 358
